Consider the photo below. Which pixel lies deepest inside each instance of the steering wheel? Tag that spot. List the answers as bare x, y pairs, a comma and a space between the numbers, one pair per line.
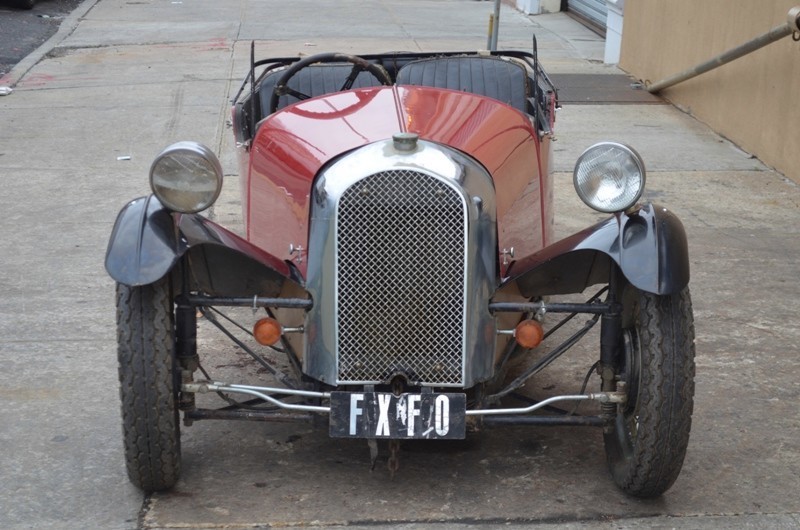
359, 65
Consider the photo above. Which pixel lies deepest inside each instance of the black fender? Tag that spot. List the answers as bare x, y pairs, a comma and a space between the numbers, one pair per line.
148, 241
648, 244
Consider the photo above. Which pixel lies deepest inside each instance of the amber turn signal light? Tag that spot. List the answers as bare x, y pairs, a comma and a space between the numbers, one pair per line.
267, 331
529, 333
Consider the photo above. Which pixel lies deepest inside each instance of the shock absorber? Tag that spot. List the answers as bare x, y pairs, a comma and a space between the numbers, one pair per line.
610, 340
186, 349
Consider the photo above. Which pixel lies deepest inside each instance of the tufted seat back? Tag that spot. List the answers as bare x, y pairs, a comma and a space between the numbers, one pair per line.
497, 78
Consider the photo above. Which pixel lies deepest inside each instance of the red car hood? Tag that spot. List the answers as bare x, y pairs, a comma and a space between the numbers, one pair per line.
292, 145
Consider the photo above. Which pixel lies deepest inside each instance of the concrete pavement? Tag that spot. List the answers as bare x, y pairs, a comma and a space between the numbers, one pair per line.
124, 79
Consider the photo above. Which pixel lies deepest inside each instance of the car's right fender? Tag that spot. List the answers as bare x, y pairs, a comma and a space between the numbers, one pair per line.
148, 241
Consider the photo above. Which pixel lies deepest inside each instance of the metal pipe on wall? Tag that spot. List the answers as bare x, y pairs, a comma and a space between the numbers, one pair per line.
791, 26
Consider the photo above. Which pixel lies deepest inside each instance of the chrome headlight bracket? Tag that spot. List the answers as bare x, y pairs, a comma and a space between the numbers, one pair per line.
609, 177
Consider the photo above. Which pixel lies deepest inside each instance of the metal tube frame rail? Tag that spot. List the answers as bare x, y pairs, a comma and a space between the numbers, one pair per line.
256, 301
305, 303
266, 394
791, 26
597, 308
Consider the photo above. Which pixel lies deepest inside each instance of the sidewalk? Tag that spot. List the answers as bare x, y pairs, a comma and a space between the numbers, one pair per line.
123, 79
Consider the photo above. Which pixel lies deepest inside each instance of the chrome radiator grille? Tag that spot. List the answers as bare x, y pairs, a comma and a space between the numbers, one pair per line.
400, 280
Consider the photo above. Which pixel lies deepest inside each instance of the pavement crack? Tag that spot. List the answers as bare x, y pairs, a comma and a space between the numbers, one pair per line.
143, 511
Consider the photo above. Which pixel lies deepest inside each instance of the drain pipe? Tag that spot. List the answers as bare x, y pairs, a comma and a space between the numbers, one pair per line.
792, 26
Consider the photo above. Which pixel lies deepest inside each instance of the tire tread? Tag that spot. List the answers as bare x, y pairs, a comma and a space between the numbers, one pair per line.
147, 389
666, 396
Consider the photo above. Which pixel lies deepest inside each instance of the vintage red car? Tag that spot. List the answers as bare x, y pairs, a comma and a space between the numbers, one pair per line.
398, 243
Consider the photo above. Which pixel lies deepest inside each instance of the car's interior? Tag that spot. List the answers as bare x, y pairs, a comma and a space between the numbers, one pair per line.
514, 78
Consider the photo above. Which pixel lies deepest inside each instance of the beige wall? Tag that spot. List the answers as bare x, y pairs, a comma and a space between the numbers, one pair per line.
754, 101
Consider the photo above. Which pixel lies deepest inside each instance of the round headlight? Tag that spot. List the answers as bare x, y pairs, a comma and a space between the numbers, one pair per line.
609, 177
186, 177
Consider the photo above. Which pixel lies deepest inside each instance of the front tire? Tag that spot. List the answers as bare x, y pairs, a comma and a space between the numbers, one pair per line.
647, 445
148, 391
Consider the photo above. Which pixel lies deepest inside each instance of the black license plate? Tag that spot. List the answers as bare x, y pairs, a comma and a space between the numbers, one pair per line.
385, 415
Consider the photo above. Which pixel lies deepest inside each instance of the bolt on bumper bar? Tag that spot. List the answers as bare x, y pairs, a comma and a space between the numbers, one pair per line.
268, 395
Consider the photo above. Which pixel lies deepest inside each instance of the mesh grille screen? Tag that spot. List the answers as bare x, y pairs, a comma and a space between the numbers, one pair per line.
400, 279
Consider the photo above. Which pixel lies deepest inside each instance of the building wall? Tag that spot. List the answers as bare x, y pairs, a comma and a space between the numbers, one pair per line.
754, 101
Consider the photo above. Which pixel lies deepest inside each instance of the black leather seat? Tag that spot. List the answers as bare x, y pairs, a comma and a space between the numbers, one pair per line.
314, 80
489, 76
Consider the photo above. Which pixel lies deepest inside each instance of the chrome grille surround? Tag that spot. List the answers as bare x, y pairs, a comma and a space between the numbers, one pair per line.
339, 330
400, 312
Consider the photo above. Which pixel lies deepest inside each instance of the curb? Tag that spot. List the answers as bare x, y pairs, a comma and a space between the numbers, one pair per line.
64, 30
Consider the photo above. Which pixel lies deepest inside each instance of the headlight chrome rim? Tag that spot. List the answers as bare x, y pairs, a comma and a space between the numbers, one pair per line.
617, 167
186, 177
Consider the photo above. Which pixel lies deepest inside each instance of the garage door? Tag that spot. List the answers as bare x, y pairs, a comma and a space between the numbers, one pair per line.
593, 12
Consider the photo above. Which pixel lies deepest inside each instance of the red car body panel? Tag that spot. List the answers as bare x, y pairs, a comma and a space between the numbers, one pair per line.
292, 145
504, 141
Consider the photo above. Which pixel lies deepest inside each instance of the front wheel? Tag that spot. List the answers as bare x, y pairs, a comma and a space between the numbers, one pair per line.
145, 349
647, 444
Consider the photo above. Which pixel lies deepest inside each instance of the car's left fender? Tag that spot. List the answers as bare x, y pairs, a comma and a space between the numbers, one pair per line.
648, 244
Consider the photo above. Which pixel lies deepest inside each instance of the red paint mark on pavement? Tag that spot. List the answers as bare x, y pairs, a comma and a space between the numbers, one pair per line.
36, 80
219, 43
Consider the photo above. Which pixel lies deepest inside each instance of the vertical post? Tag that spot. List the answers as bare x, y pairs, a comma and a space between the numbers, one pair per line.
489, 32
253, 119
495, 25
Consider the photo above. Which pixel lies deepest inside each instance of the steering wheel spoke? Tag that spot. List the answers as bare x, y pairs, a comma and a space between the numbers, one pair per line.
282, 88
348, 83
288, 91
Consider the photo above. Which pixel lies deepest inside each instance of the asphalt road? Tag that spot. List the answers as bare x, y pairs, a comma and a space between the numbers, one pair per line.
22, 30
